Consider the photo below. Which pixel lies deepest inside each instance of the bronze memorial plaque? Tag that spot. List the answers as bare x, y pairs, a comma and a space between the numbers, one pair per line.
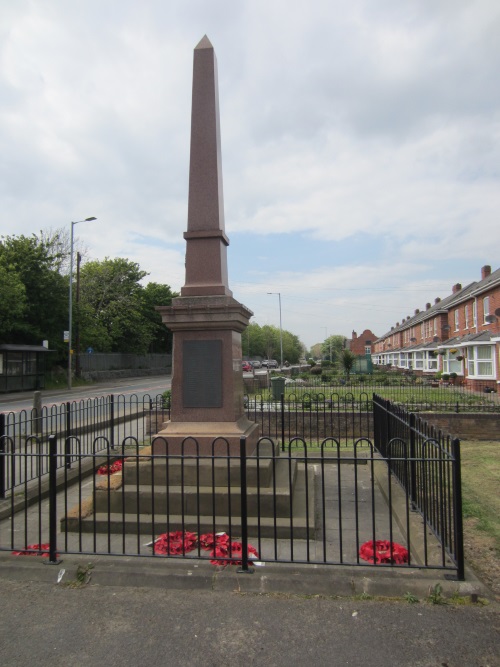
202, 374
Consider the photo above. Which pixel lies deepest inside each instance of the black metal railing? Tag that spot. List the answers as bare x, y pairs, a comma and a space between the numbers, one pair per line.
312, 417
426, 463
418, 395
101, 419
232, 504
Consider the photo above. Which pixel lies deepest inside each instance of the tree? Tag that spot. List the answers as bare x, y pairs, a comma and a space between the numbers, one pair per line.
155, 294
111, 307
333, 346
316, 351
347, 359
264, 342
12, 302
33, 262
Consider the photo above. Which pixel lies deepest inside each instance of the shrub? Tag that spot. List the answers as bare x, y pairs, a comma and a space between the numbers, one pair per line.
316, 370
166, 399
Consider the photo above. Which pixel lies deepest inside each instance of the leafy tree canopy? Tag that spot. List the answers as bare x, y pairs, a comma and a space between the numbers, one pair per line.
32, 263
264, 342
333, 347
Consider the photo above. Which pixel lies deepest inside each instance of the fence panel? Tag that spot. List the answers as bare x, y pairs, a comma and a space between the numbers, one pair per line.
323, 504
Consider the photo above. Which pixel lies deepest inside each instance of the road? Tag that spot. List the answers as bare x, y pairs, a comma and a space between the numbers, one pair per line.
140, 387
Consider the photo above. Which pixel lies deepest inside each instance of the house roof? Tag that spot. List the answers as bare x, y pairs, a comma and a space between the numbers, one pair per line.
443, 306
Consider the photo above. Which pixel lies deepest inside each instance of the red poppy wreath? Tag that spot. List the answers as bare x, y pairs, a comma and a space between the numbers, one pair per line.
111, 469
35, 550
383, 552
222, 550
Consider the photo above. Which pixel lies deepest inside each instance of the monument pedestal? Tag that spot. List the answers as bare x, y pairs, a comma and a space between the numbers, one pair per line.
207, 380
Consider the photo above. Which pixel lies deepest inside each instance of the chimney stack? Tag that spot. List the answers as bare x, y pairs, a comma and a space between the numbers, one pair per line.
417, 310
456, 288
427, 306
485, 272
437, 299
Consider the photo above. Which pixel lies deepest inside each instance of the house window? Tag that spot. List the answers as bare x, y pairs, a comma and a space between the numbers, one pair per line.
456, 320
474, 314
466, 317
419, 360
368, 349
480, 361
431, 362
486, 308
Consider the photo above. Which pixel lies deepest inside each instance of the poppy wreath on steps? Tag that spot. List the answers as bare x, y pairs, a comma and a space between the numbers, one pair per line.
384, 552
111, 469
35, 550
222, 550
175, 543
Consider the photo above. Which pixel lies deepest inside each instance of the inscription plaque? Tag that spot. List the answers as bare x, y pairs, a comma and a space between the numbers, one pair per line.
202, 374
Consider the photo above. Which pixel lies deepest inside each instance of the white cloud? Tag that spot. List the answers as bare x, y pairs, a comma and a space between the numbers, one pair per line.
373, 119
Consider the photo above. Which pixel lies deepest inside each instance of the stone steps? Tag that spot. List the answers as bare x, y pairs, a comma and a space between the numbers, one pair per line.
267, 527
129, 509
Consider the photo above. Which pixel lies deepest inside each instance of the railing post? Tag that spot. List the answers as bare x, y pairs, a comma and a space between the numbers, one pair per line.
413, 463
244, 511
67, 451
457, 508
2, 455
112, 420
37, 411
388, 424
376, 411
68, 419
52, 501
282, 422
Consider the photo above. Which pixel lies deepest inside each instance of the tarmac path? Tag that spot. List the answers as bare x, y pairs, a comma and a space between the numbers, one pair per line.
55, 626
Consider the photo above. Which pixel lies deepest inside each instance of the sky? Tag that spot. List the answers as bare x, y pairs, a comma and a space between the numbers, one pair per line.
360, 144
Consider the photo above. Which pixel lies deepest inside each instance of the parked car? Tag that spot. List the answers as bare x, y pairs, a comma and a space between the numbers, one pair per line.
270, 363
246, 366
256, 363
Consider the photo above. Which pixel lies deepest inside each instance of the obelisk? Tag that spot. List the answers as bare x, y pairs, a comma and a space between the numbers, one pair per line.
206, 321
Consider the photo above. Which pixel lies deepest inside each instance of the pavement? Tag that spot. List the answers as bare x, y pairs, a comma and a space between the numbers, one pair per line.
135, 612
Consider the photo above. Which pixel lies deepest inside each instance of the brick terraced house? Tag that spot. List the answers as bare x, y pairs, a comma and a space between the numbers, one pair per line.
458, 334
362, 344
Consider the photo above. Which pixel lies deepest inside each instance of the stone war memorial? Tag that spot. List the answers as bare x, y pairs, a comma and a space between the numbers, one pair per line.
340, 484
206, 321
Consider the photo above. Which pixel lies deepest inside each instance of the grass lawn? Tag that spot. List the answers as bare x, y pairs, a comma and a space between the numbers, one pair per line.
408, 395
481, 505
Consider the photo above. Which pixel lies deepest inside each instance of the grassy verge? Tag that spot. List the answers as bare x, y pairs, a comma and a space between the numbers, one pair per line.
481, 508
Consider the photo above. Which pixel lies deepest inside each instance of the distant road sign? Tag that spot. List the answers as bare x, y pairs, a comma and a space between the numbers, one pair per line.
66, 337
90, 350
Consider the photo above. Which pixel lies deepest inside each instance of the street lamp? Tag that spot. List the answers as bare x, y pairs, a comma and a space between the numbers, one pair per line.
70, 318
281, 330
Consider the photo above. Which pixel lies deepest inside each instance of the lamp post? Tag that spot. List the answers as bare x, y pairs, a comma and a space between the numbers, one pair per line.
70, 317
281, 330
